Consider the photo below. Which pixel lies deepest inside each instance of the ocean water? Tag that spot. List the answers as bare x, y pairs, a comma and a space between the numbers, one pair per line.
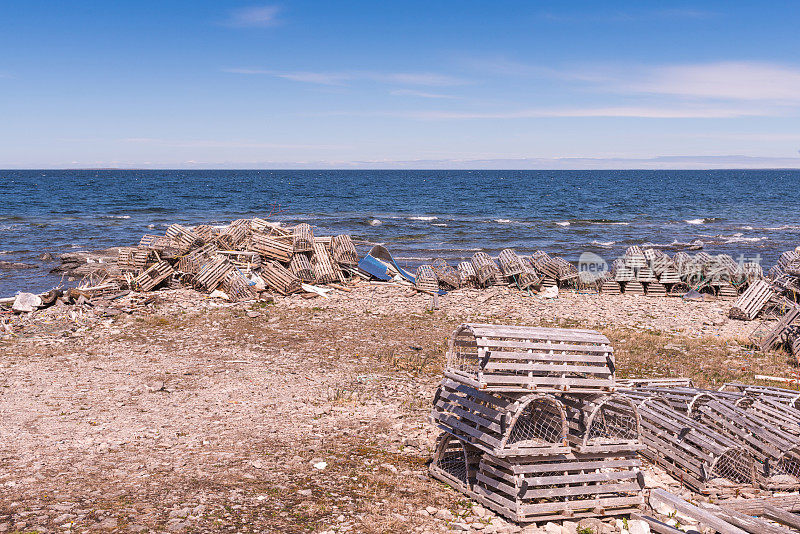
418, 215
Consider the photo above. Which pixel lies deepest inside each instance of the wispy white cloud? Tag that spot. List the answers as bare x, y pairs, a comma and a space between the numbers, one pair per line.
342, 78
255, 16
731, 80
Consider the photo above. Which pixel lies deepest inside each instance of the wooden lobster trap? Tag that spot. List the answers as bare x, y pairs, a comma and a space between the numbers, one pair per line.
776, 451
752, 301
656, 289
126, 259
790, 397
602, 423
455, 463
243, 259
564, 486
688, 399
447, 275
272, 228
425, 279
271, 247
646, 274
527, 425
752, 270
565, 271
344, 251
609, 287
324, 269
155, 242
303, 238
529, 277
772, 412
634, 287
237, 286
621, 271
728, 292
466, 271
233, 235
544, 264
205, 232
149, 279
510, 263
669, 276
768, 334
279, 278
182, 238
485, 268
679, 260
210, 275
516, 359
192, 262
693, 453
301, 268
635, 258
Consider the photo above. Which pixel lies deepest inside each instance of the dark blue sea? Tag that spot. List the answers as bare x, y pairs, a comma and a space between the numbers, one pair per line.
419, 215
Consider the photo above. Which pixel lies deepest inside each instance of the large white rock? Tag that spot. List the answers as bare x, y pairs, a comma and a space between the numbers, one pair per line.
638, 527
26, 302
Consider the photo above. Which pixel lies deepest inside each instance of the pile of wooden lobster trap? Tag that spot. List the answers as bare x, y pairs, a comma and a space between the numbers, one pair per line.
535, 427
242, 259
717, 441
650, 271
775, 301
531, 426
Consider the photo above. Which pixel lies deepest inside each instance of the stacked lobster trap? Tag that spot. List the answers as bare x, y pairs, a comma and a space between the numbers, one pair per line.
243, 258
532, 428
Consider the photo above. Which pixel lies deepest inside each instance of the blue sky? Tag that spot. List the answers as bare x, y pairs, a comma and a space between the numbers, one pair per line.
399, 84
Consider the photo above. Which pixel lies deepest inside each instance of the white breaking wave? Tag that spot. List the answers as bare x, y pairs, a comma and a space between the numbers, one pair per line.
115, 216
695, 221
740, 239
375, 222
604, 244
421, 218
503, 221
782, 228
563, 223
438, 224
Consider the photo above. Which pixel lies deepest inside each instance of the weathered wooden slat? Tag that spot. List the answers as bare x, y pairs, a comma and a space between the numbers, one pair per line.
660, 496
